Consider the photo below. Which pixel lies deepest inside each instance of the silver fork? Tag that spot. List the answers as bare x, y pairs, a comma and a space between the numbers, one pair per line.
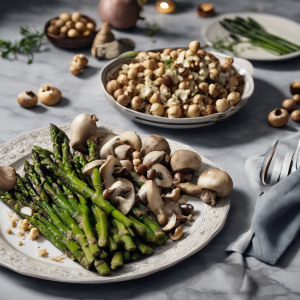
281, 169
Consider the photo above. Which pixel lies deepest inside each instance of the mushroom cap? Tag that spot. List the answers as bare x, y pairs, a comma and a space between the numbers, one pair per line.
124, 152
171, 207
127, 164
216, 180
173, 222
155, 202
109, 147
154, 157
124, 202
163, 176
8, 178
156, 142
90, 166
107, 170
131, 138
278, 117
185, 161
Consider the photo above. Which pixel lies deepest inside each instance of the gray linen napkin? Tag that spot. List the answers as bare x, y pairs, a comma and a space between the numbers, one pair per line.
276, 219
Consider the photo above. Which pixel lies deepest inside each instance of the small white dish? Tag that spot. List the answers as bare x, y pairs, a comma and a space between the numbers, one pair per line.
282, 27
242, 66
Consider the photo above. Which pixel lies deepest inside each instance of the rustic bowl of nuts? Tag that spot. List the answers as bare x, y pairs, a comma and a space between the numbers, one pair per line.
178, 87
71, 31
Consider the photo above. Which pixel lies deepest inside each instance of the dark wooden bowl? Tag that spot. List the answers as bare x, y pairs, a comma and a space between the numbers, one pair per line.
71, 43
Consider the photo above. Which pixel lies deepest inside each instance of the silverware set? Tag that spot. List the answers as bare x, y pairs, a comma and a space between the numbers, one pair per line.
277, 166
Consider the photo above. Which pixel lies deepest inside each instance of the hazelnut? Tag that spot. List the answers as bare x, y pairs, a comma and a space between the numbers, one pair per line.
27, 99
213, 90
222, 105
278, 117
148, 108
124, 100
206, 10
49, 95
155, 98
65, 17
203, 86
233, 98
189, 53
167, 80
142, 169
59, 23
130, 91
86, 33
132, 73
118, 92
222, 93
80, 60
80, 26
167, 51
52, 22
174, 54
142, 55
112, 86
149, 64
184, 85
72, 33
213, 74
295, 115
76, 16
198, 99
193, 111
64, 29
123, 79
289, 104
151, 174
194, 46
174, 112
83, 20
209, 110
295, 87
90, 26
53, 29
158, 81
148, 72
159, 72
296, 98
75, 70
157, 109
136, 155
201, 53
70, 24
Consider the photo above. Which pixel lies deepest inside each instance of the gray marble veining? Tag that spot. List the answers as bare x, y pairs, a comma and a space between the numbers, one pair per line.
209, 274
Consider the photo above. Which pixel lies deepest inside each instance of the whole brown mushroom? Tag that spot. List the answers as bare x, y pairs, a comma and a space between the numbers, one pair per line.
295, 115
49, 95
156, 142
295, 87
185, 161
289, 104
214, 183
27, 99
278, 117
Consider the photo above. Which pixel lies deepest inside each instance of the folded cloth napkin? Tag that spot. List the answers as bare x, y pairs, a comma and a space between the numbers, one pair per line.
276, 219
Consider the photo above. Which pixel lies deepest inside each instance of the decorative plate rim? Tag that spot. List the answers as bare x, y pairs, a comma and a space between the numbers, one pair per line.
211, 224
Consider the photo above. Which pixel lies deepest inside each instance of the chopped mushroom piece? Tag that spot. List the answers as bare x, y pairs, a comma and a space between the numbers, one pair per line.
174, 195
131, 138
162, 176
154, 157
109, 147
88, 169
107, 171
189, 189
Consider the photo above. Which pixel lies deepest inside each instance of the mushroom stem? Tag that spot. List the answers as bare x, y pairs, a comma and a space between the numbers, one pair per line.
208, 196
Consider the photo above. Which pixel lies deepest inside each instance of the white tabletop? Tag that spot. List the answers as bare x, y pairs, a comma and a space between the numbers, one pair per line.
211, 273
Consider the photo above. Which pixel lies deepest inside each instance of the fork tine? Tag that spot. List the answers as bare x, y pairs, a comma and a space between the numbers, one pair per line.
276, 169
267, 160
286, 164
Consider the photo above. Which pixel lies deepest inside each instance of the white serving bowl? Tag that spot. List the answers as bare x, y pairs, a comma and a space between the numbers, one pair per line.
241, 65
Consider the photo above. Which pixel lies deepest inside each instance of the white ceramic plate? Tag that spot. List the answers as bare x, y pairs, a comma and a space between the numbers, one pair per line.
208, 223
242, 66
279, 26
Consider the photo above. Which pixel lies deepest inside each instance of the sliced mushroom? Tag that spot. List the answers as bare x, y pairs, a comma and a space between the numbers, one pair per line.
127, 164
123, 195
88, 169
154, 157
189, 189
107, 137
107, 170
185, 161
174, 195
173, 222
214, 183
150, 192
156, 142
162, 176
124, 152
109, 147
131, 138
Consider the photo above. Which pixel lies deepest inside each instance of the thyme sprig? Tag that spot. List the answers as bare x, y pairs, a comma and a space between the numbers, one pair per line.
30, 43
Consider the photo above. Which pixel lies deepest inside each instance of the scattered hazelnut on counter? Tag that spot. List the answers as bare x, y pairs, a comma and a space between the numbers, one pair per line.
33, 234
295, 115
295, 87
278, 117
13, 223
42, 252
20, 243
206, 10
25, 225
27, 99
289, 104
296, 98
8, 231
49, 95
75, 70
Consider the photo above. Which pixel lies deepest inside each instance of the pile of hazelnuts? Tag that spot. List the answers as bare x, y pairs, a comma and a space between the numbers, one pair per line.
280, 116
78, 63
71, 26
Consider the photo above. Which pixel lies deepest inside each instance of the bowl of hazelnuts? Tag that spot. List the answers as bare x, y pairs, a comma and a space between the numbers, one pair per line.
71, 30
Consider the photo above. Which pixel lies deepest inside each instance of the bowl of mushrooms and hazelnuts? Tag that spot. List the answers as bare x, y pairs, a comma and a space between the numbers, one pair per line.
177, 87
71, 30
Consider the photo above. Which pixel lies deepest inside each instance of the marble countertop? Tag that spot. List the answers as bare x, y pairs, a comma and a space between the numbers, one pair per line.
210, 273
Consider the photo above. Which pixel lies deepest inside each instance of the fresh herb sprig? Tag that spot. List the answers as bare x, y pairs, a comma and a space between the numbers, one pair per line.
30, 43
